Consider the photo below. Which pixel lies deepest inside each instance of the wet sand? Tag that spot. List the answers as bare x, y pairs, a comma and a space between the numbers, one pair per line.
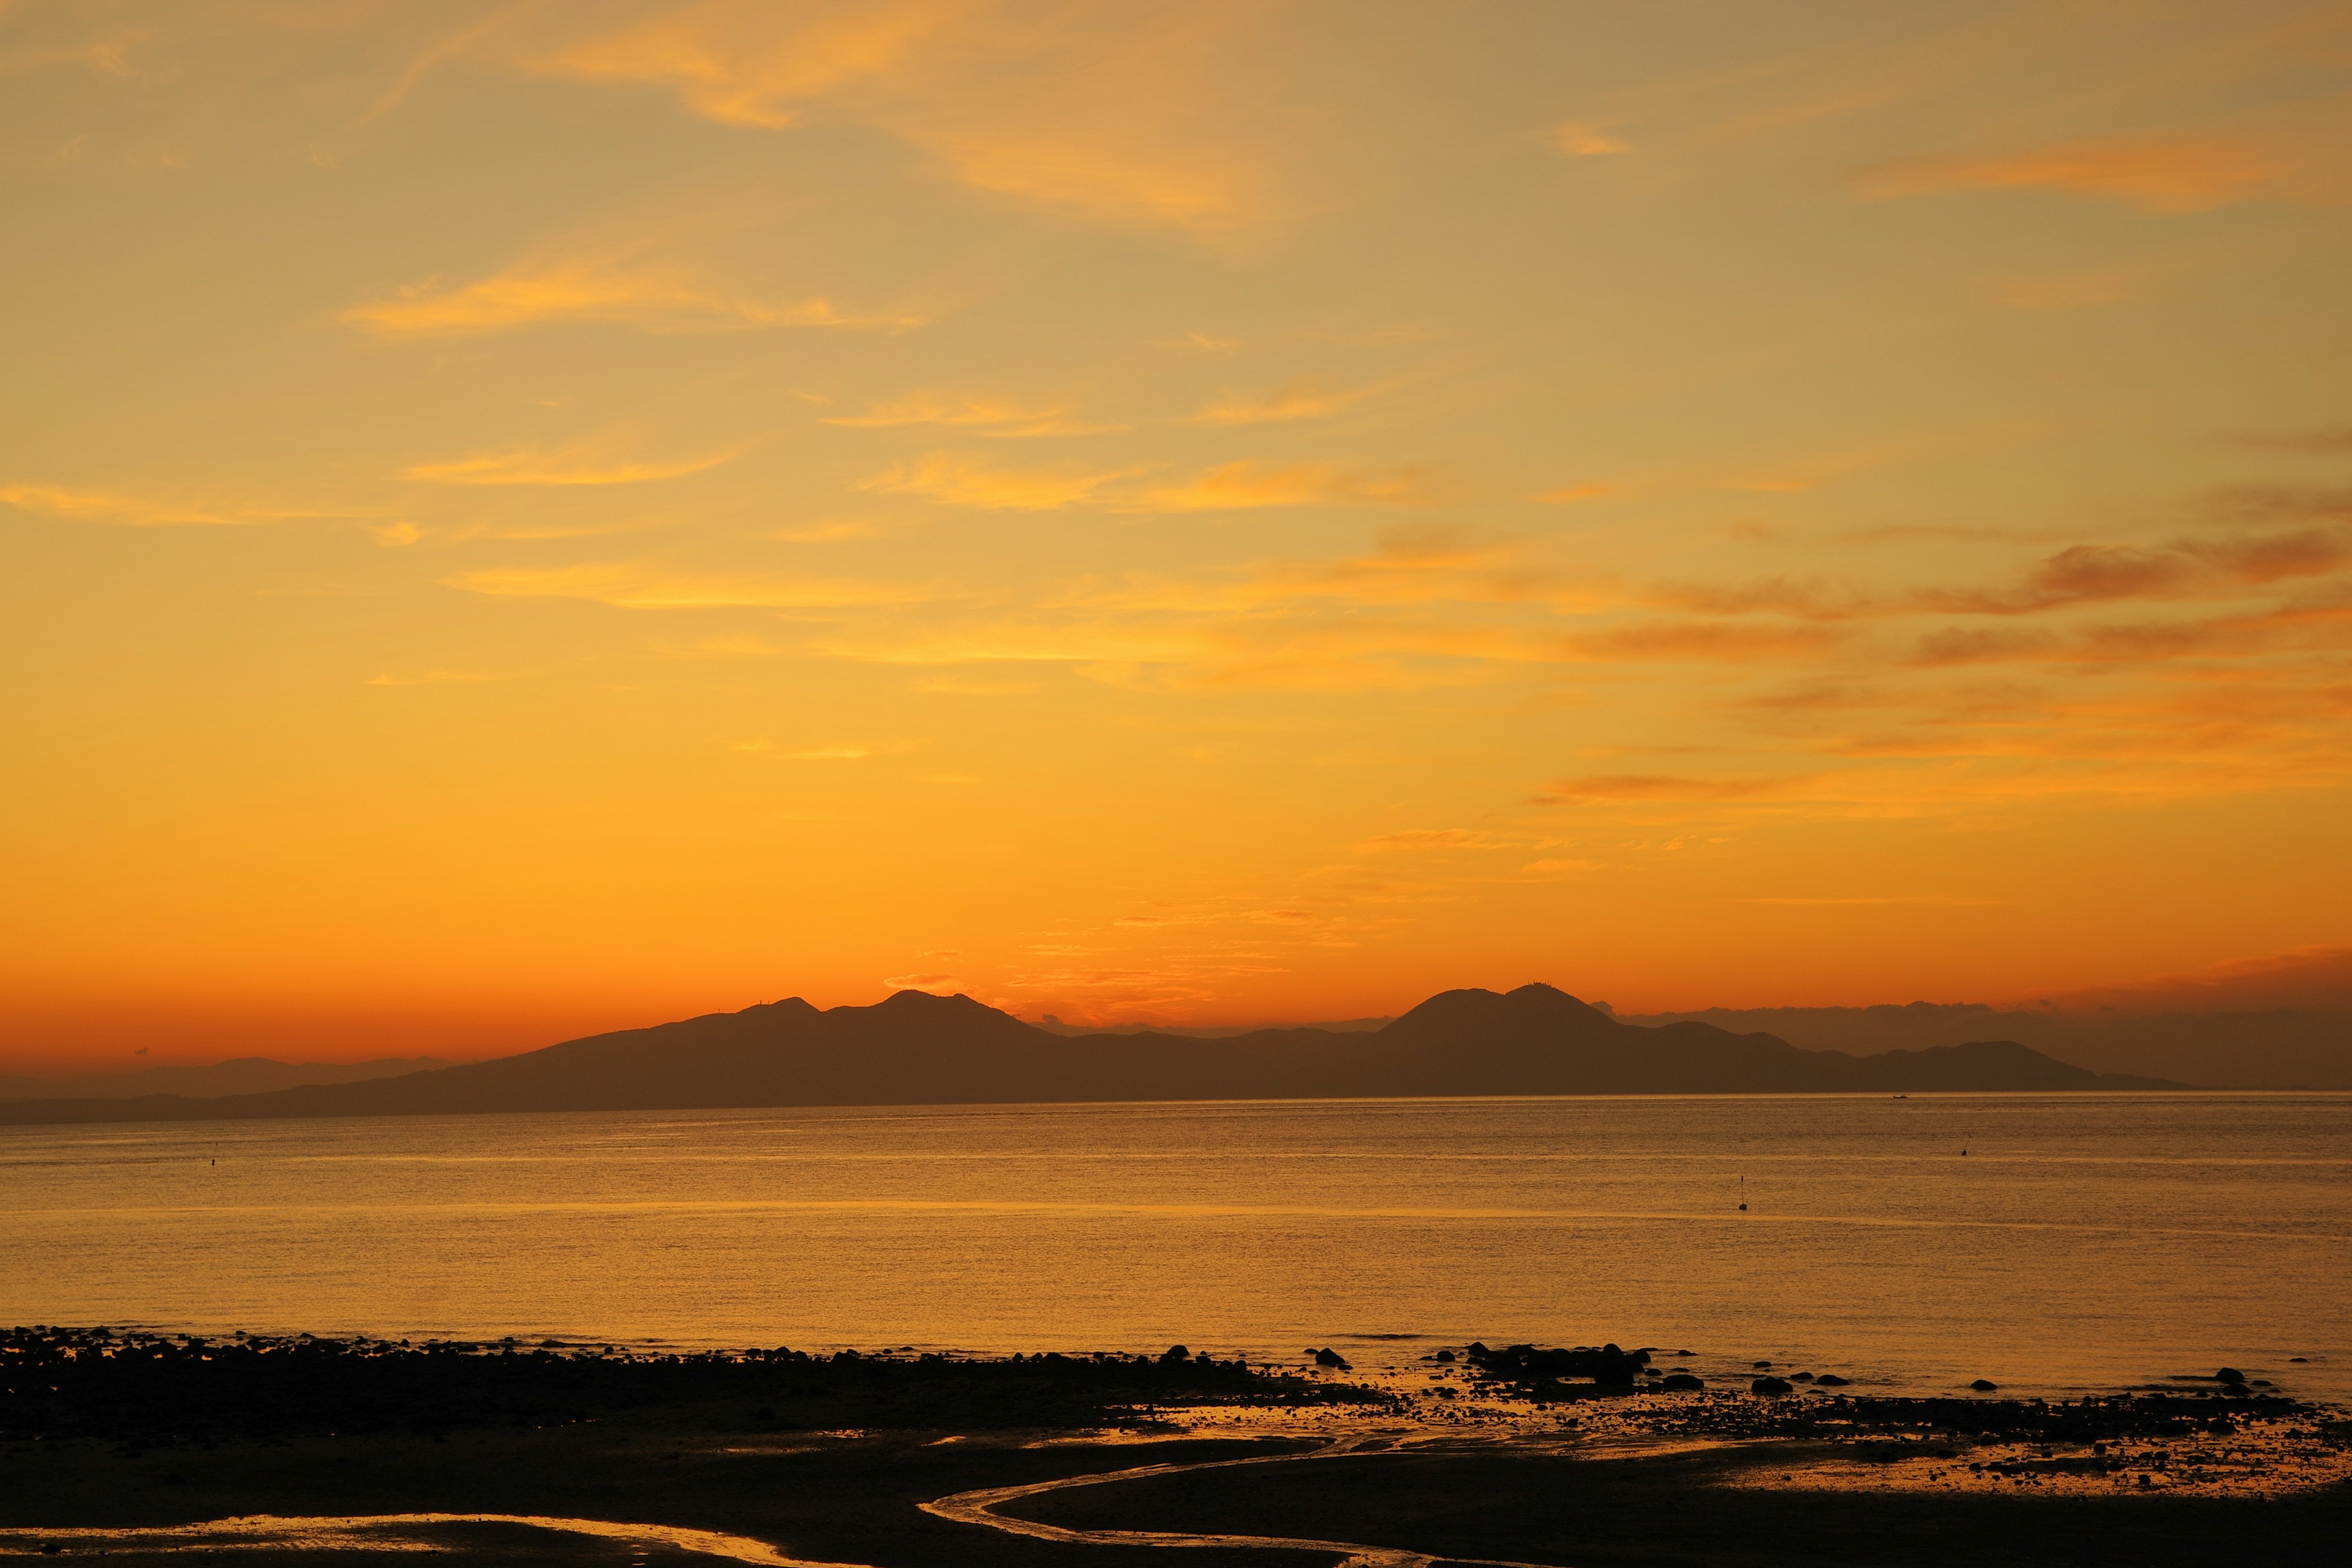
892, 1474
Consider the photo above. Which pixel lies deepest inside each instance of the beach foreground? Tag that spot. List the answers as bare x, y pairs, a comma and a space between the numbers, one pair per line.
320, 1451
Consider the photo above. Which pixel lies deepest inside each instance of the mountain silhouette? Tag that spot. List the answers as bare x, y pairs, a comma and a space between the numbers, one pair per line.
238, 1075
915, 1048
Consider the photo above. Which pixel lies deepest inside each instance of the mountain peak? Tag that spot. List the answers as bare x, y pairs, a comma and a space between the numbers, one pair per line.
912, 1001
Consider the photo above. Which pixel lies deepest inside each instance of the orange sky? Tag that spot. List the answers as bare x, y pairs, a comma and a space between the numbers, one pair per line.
517, 520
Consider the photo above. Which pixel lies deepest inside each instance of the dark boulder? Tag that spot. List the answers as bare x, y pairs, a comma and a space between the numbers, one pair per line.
1678, 1381
2229, 1374
1831, 1380
1985, 1385
1329, 1357
1771, 1386
1525, 1365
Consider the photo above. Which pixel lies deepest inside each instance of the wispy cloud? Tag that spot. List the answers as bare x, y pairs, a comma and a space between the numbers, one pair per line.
2162, 176
433, 678
1643, 787
1125, 125
1872, 899
1305, 399
1577, 139
953, 479
1244, 485
651, 299
839, 753
559, 468
1417, 838
749, 66
2220, 566
645, 587
128, 511
1149, 185
996, 417
831, 530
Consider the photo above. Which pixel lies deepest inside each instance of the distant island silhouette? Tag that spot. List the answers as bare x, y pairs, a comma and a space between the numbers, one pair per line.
238, 1075
916, 1048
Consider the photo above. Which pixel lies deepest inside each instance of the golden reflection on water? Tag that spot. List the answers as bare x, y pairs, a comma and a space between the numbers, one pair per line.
2082, 1241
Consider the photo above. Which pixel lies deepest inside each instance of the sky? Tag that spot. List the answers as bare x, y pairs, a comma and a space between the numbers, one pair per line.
518, 519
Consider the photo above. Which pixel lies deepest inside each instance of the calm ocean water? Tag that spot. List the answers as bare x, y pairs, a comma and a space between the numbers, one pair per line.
2082, 1242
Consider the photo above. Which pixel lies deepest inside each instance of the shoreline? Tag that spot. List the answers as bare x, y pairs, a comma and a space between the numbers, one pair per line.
839, 1473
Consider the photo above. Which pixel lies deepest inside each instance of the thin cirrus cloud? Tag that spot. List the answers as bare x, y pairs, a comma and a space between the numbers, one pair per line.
748, 66
2160, 176
2074, 290
1418, 838
557, 469
1577, 139
649, 300
1246, 486
641, 587
990, 416
955, 480
1645, 788
104, 507
2079, 575
1124, 126
1305, 399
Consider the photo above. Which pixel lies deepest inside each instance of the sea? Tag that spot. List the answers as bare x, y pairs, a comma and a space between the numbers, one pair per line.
2053, 1244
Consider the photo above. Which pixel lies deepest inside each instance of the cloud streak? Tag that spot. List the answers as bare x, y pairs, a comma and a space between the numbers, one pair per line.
637, 586
2155, 175
1305, 399
557, 469
952, 479
995, 417
103, 507
650, 300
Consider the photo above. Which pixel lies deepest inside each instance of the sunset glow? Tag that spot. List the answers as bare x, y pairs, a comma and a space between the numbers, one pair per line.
526, 520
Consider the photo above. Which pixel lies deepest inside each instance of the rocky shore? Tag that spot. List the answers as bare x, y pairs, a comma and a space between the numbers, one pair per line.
127, 1443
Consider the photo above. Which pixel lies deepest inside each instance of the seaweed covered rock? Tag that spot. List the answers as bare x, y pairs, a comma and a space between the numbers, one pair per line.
148, 1389
1563, 1373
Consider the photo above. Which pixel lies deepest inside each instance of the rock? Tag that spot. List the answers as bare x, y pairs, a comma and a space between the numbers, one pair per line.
1763, 1366
1527, 1367
1831, 1380
1985, 1385
1443, 1355
1695, 1353
1800, 1377
1677, 1382
1176, 1352
1771, 1386
2229, 1374
1329, 1357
